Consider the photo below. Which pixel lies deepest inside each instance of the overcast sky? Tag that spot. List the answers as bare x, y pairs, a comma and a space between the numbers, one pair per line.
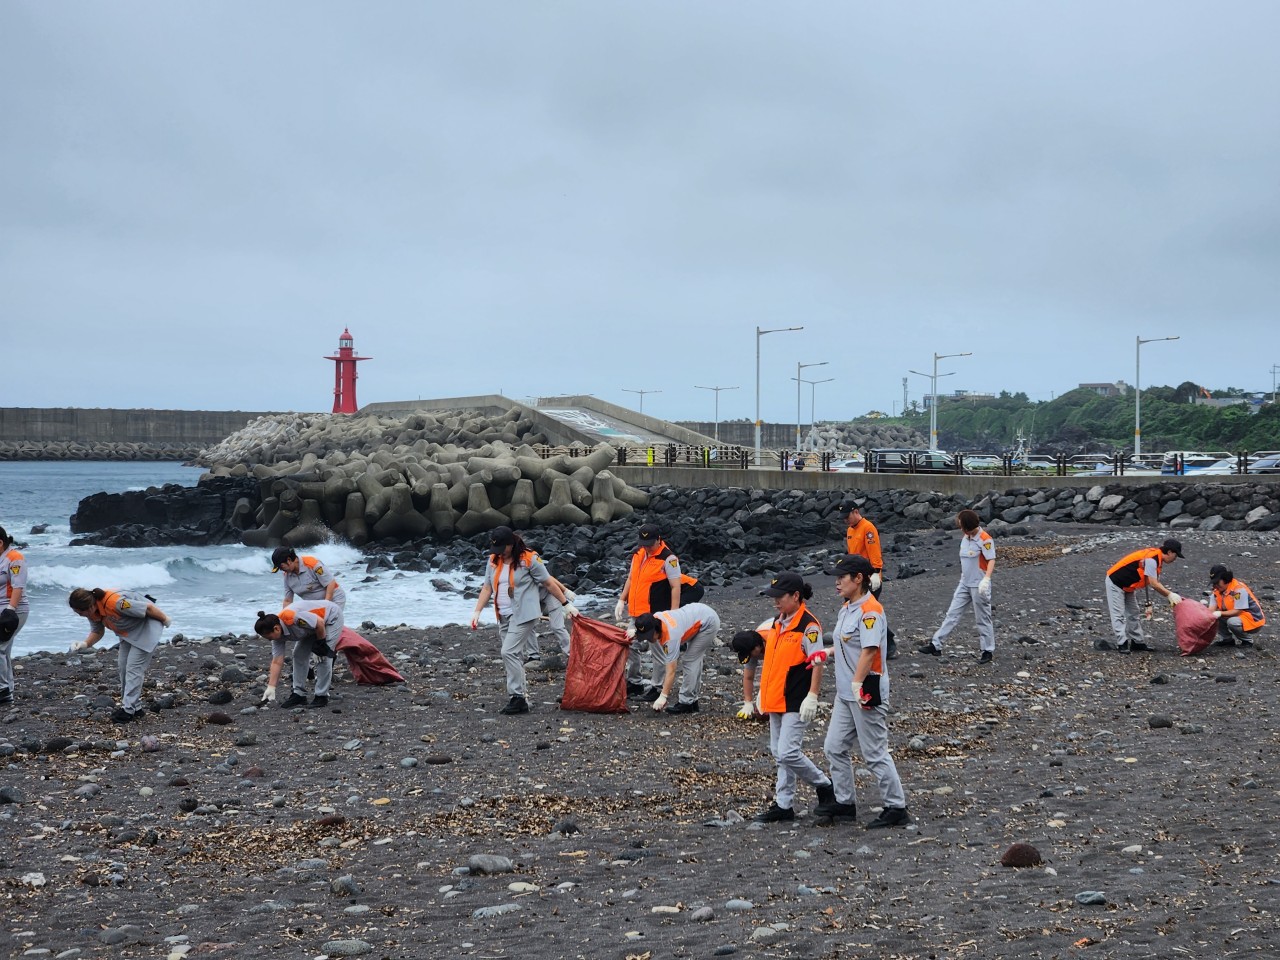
587, 197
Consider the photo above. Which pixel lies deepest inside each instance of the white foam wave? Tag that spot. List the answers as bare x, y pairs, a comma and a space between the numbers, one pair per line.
126, 576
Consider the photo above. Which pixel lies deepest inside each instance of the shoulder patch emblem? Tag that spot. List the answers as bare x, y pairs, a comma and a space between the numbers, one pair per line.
871, 537
15, 569
869, 621
673, 562
319, 570
124, 604
812, 632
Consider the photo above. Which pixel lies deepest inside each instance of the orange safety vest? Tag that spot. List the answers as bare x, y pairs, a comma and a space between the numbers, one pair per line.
784, 678
1129, 573
665, 625
1251, 617
864, 541
497, 580
646, 571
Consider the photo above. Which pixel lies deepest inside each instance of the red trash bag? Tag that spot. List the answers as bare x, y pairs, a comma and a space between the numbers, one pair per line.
366, 661
1197, 627
595, 680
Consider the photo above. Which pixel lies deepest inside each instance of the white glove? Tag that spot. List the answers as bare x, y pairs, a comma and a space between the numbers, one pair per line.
809, 707
619, 612
570, 610
984, 588
1174, 599
660, 703
748, 711
757, 704
569, 594
876, 580
475, 620
165, 621
1217, 614
631, 632
269, 695
78, 646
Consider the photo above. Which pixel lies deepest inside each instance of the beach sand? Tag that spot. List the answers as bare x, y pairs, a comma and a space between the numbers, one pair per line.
302, 833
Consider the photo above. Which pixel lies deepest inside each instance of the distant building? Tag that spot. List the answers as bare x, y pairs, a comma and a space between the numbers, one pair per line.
1117, 389
958, 395
1227, 402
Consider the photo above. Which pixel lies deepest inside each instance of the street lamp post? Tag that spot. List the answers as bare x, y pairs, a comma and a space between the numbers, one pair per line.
760, 333
642, 393
1137, 391
933, 393
813, 395
717, 390
800, 366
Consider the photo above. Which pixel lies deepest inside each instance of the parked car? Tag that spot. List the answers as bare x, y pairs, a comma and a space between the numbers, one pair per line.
1269, 464
847, 466
903, 460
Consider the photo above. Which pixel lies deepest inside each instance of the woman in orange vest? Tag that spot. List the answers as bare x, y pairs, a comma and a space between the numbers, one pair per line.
1237, 609
513, 577
1126, 577
13, 613
137, 622
791, 654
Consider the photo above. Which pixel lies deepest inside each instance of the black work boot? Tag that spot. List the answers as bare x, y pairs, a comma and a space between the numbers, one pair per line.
775, 814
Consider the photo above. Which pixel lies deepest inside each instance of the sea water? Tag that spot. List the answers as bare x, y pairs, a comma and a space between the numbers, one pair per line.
205, 590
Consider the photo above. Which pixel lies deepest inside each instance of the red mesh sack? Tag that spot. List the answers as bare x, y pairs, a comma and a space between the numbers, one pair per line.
1197, 627
366, 661
595, 680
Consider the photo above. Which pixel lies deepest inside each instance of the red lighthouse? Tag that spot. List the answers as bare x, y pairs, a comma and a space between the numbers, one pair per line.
344, 374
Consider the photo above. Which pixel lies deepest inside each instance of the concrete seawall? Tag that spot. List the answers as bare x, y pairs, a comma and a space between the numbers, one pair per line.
70, 433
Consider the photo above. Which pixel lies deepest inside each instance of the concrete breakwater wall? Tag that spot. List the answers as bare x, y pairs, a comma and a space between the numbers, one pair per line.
71, 433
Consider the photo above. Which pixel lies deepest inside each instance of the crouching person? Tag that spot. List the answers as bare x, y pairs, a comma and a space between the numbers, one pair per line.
313, 626
680, 639
137, 622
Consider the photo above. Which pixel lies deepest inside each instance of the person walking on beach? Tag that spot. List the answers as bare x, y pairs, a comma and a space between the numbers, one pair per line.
1131, 573
13, 577
137, 623
313, 626
680, 640
977, 564
654, 583
305, 578
862, 539
512, 576
1239, 614
790, 653
860, 710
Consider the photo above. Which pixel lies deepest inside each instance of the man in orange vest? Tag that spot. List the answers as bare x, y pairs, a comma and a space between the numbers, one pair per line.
862, 539
1131, 573
1237, 609
654, 583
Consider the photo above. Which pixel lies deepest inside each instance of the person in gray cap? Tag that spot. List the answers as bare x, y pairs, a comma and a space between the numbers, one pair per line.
860, 710
512, 576
1131, 573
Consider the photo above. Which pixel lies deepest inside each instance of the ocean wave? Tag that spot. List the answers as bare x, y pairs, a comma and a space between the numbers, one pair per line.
115, 576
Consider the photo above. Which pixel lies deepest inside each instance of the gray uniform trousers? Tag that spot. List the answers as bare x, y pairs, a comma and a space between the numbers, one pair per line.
690, 663
786, 743
556, 624
963, 598
871, 728
6, 659
515, 642
1126, 615
132, 661
302, 664
1228, 628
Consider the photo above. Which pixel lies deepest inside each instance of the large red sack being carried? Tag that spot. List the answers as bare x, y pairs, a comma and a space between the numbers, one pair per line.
595, 680
366, 661
1197, 627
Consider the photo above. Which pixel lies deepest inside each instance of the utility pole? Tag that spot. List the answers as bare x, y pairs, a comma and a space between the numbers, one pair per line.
904, 396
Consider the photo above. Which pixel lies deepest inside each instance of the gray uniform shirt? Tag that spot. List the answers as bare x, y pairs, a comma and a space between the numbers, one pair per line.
521, 584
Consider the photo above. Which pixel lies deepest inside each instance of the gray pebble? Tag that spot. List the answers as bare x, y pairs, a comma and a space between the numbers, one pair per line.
1191, 728
345, 886
702, 915
484, 913
409, 763
346, 948
739, 905
486, 863
1159, 722
1091, 898
127, 933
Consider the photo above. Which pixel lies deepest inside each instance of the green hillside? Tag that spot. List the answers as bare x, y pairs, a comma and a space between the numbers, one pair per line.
1082, 421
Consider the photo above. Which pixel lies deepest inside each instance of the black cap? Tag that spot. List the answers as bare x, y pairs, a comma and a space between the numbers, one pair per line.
646, 623
848, 506
279, 555
854, 564
1172, 546
744, 642
784, 583
1219, 572
649, 534
502, 536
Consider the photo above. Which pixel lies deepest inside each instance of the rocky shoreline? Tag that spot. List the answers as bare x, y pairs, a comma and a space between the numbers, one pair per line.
417, 821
